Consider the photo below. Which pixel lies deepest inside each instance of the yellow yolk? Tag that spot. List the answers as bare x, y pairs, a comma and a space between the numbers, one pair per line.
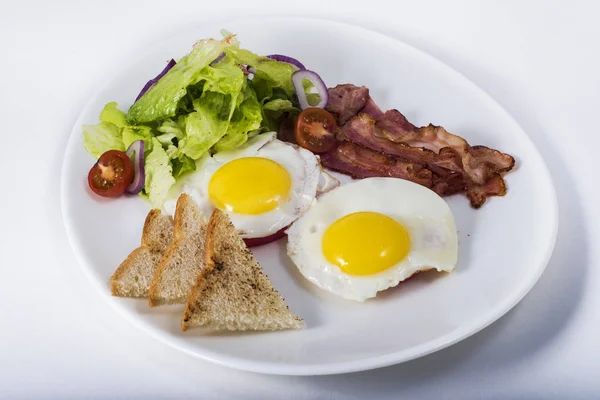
365, 243
250, 185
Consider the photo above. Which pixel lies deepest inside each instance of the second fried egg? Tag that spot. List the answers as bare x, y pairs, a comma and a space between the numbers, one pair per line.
369, 235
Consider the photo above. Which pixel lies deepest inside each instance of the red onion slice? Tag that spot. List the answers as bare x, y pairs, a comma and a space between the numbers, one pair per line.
136, 154
253, 242
281, 58
315, 79
151, 82
286, 59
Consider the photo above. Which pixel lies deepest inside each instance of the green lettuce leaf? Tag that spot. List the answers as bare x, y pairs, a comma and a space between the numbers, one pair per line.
114, 133
269, 73
246, 118
159, 175
167, 140
205, 126
273, 111
162, 99
113, 115
225, 77
100, 138
132, 133
171, 132
171, 128
272, 84
183, 164
224, 92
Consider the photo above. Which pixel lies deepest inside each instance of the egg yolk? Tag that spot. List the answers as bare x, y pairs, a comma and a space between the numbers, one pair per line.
251, 185
365, 243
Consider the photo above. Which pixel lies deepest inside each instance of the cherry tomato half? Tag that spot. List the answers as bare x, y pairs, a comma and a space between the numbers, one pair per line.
111, 174
315, 130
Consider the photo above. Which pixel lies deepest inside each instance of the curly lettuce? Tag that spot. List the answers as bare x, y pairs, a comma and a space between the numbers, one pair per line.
159, 175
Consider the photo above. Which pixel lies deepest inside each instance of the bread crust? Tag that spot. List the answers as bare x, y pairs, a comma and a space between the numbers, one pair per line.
157, 234
189, 236
233, 279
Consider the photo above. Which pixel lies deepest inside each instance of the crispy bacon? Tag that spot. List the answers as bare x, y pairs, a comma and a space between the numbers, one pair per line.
478, 162
482, 163
365, 131
360, 162
478, 194
434, 138
345, 101
482, 167
393, 125
449, 184
458, 167
377, 143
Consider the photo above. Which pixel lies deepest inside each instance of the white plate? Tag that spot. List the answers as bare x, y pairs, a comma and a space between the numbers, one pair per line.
504, 246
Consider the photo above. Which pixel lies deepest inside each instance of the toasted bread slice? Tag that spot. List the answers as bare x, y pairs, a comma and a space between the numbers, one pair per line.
134, 275
177, 271
232, 292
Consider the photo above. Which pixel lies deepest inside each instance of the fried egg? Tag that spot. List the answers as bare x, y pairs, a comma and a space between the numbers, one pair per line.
263, 186
369, 235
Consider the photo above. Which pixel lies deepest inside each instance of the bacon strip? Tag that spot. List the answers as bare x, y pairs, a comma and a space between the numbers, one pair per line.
459, 167
450, 184
481, 164
364, 130
360, 162
393, 125
478, 194
376, 143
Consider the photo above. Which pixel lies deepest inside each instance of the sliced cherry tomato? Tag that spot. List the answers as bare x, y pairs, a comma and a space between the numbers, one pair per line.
315, 130
111, 174
253, 242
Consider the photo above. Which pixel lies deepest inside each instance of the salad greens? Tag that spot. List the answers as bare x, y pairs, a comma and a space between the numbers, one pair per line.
204, 103
159, 174
162, 99
100, 138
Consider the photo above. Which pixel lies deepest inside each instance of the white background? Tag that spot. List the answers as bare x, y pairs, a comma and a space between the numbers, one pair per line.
59, 339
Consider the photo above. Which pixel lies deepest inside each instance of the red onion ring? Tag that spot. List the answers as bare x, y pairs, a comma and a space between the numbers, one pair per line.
135, 151
281, 58
286, 59
315, 79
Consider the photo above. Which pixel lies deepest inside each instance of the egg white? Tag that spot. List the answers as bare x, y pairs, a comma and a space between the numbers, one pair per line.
425, 215
304, 169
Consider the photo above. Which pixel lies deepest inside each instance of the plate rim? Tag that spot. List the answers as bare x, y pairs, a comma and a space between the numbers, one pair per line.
392, 358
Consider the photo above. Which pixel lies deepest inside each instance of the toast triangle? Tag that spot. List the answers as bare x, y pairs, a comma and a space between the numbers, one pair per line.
184, 259
232, 292
133, 277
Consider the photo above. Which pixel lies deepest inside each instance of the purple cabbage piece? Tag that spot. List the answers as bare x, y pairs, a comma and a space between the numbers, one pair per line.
151, 82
